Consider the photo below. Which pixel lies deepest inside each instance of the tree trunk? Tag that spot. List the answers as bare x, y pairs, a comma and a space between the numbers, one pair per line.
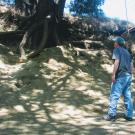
45, 21
61, 6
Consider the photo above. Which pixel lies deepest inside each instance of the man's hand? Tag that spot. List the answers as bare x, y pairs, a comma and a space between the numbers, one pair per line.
115, 68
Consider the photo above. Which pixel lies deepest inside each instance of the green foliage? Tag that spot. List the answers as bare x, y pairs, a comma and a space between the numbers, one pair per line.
87, 7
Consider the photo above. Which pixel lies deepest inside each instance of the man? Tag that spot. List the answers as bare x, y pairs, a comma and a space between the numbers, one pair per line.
121, 81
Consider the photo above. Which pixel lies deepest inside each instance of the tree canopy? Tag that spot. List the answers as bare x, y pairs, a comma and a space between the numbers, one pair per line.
87, 7
77, 7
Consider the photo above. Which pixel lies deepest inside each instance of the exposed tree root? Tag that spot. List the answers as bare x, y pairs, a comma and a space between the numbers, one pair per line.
25, 40
43, 41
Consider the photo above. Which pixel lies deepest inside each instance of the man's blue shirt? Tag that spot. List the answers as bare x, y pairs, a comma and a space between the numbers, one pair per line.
125, 58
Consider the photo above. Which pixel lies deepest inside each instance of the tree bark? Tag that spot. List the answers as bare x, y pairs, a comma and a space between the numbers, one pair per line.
26, 7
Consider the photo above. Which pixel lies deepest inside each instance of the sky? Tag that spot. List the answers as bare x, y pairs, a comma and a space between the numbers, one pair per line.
116, 9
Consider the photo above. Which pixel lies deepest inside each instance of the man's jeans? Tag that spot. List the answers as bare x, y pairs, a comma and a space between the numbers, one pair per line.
122, 86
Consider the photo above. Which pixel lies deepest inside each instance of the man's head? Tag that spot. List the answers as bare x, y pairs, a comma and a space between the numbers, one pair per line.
119, 40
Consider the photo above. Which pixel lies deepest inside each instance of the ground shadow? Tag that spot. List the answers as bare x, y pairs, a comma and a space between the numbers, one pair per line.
56, 99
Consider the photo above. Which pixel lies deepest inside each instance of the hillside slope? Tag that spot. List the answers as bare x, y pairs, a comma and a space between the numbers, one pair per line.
64, 91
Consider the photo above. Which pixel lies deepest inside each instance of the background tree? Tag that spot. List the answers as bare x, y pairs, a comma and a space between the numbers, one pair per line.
87, 7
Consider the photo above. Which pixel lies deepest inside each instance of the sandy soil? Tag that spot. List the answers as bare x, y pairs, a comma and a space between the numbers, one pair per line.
64, 91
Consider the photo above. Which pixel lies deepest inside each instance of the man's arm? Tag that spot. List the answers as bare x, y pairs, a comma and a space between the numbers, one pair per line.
132, 68
115, 68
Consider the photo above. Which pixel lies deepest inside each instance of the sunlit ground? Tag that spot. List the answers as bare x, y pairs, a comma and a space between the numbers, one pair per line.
61, 92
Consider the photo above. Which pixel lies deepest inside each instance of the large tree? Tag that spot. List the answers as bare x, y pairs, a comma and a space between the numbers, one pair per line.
41, 27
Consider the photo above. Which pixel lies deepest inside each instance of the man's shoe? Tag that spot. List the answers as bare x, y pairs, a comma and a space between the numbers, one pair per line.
128, 118
109, 118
